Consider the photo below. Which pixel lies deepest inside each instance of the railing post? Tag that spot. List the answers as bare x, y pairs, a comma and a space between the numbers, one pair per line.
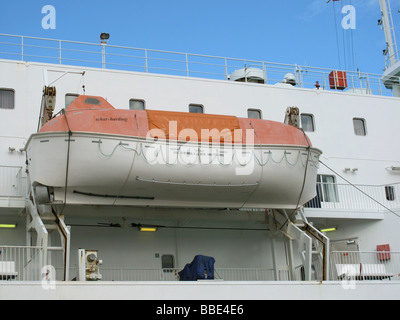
146, 66
103, 55
274, 259
22, 48
59, 53
226, 69
368, 85
264, 72
187, 65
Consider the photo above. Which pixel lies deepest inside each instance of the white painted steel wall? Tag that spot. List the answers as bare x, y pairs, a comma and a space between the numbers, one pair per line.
333, 113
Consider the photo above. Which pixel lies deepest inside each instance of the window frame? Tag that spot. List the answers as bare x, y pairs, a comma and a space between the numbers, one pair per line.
254, 110
312, 121
390, 193
167, 269
197, 105
13, 100
364, 126
70, 95
327, 191
92, 101
137, 100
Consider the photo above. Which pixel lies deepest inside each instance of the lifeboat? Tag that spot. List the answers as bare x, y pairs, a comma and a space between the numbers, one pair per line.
95, 154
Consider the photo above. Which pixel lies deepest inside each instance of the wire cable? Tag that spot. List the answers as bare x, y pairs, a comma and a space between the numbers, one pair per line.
366, 194
64, 112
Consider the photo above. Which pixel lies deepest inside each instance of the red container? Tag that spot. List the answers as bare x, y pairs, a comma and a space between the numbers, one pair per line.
338, 80
384, 255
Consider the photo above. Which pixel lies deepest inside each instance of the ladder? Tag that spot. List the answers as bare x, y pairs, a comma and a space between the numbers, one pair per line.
388, 28
42, 218
312, 245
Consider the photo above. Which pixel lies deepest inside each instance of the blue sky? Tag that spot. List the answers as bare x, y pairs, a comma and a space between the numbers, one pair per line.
287, 31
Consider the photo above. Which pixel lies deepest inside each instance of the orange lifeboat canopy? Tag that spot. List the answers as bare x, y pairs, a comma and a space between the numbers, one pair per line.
96, 115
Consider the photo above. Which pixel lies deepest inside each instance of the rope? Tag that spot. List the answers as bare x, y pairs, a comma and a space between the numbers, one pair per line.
63, 111
304, 179
305, 171
160, 154
337, 35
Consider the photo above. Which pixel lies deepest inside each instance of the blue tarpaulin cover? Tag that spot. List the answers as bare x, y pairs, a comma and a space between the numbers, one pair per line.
201, 268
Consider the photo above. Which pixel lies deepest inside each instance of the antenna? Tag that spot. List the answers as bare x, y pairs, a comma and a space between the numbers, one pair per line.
388, 27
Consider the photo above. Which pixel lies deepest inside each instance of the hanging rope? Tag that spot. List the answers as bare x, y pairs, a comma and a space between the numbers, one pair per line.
337, 35
305, 170
347, 35
63, 111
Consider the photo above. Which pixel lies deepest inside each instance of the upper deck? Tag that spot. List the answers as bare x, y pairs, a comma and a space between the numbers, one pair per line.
113, 57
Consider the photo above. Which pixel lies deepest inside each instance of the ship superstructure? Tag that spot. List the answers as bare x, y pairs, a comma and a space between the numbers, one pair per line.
75, 207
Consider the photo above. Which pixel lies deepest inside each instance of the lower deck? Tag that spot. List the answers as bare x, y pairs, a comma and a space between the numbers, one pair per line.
242, 244
201, 291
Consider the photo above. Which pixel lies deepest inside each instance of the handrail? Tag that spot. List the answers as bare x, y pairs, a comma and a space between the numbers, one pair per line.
175, 63
378, 198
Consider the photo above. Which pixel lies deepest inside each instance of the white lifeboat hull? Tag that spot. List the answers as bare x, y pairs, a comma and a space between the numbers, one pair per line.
105, 169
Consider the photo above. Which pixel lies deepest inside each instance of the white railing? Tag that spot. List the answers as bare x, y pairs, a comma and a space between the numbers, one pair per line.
123, 274
226, 274
363, 266
12, 182
26, 264
329, 195
357, 198
176, 63
390, 59
247, 274
21, 263
374, 266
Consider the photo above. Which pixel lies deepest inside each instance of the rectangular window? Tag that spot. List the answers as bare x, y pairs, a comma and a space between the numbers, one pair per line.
326, 191
390, 193
196, 108
137, 104
69, 98
326, 188
167, 263
254, 114
360, 128
7, 99
307, 122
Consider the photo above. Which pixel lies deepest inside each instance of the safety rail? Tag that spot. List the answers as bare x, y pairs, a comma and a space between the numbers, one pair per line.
356, 197
389, 59
362, 266
19, 263
226, 274
329, 195
94, 55
375, 266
